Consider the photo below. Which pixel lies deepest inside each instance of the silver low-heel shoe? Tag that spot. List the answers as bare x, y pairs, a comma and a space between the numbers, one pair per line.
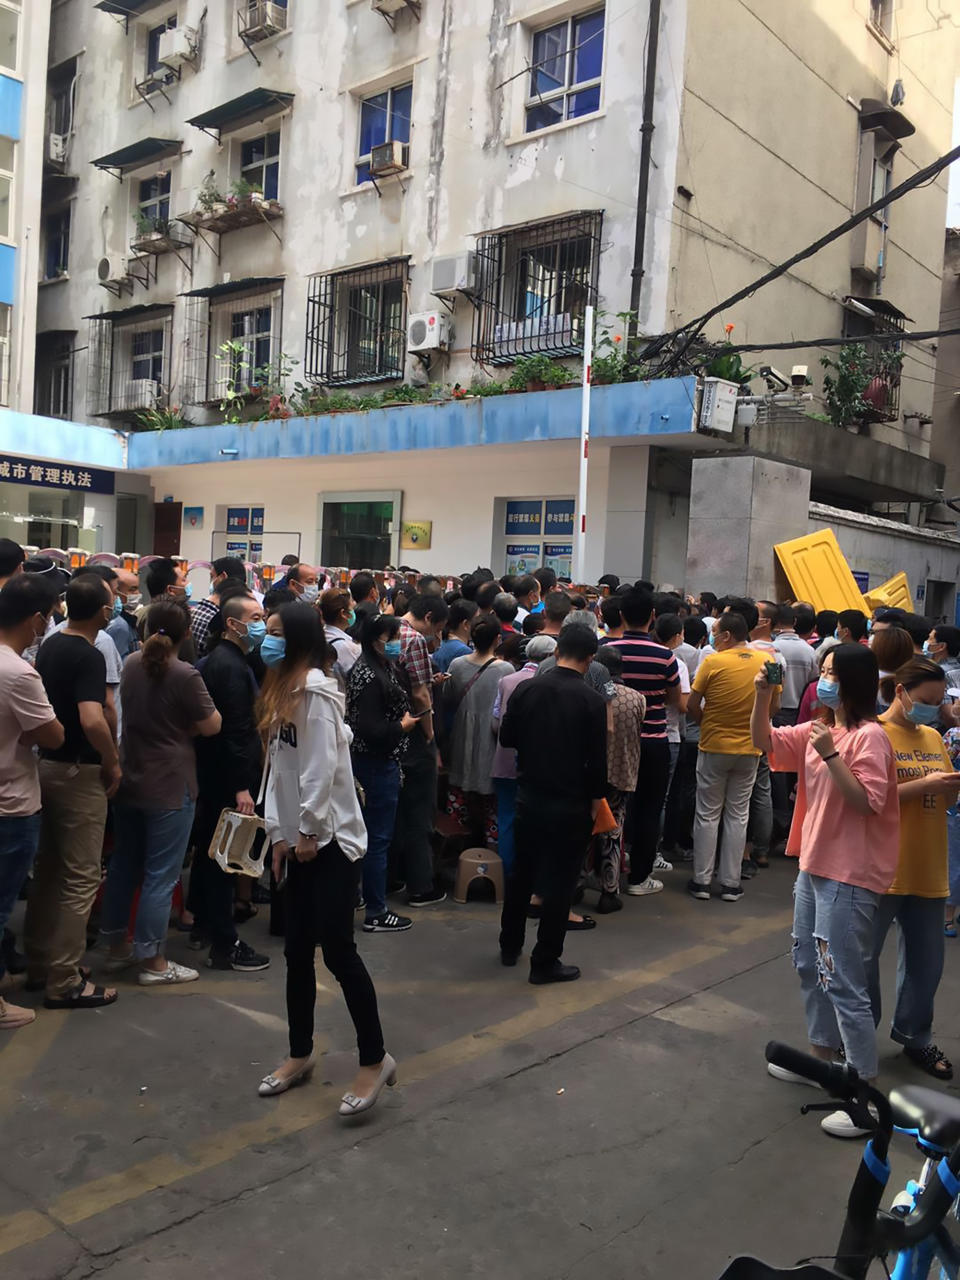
270, 1085
351, 1105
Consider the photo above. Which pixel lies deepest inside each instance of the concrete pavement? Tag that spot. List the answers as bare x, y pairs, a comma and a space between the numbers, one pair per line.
619, 1126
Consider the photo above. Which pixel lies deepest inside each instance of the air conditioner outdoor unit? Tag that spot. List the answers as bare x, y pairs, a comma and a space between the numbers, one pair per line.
260, 19
141, 393
428, 331
56, 147
387, 6
112, 269
177, 45
388, 158
456, 273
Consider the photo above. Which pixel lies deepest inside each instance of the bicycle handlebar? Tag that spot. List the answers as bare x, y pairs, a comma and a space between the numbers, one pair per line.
838, 1079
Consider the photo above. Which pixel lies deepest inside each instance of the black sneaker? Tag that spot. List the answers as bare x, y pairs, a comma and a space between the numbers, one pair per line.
730, 893
387, 923
748, 869
699, 891
198, 941
241, 958
426, 899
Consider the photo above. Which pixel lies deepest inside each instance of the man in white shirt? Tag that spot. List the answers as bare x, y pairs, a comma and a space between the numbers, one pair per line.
527, 592
669, 632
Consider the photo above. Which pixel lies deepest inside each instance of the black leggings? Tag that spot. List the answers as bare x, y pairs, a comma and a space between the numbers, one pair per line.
320, 900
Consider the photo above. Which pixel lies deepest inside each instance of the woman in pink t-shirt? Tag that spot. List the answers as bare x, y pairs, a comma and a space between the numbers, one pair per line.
846, 830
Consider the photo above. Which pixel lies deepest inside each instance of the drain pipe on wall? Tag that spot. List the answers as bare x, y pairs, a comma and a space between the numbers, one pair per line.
646, 149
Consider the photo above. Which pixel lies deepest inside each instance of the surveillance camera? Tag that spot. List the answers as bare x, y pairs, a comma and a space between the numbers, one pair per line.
774, 379
798, 375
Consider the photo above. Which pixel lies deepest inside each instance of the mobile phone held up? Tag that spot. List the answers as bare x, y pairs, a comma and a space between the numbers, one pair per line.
774, 672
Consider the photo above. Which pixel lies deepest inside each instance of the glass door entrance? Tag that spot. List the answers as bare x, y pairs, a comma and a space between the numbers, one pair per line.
359, 530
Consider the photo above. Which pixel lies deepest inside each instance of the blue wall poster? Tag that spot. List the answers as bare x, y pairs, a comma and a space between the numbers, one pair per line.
238, 520
523, 557
524, 518
559, 517
256, 519
558, 556
237, 549
861, 579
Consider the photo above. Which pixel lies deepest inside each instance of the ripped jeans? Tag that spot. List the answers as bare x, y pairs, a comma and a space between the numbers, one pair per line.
833, 939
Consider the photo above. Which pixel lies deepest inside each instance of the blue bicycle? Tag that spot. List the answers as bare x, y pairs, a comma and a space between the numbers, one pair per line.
913, 1228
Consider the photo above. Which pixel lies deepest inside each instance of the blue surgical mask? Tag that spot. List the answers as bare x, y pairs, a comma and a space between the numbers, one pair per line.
392, 649
117, 607
188, 591
922, 713
351, 617
828, 692
537, 608
273, 650
256, 632
836, 634
926, 648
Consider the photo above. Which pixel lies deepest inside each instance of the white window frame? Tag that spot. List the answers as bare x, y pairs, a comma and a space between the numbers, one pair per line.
243, 170
10, 175
167, 23
140, 205
568, 89
222, 311
16, 8
365, 96
883, 21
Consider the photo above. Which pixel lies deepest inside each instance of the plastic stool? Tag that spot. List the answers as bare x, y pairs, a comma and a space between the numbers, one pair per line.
478, 864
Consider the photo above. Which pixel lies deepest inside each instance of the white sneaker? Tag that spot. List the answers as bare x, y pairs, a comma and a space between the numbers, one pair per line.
646, 887
790, 1077
167, 977
662, 864
839, 1125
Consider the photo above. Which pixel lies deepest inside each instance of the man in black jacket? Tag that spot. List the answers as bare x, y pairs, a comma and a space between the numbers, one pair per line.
559, 729
228, 772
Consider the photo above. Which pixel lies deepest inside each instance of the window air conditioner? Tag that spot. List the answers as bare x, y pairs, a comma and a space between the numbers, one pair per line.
388, 158
387, 6
177, 45
428, 331
141, 393
112, 270
260, 19
454, 274
56, 147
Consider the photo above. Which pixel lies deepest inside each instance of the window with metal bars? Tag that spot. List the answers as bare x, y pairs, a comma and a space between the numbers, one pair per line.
228, 339
128, 364
53, 397
863, 320
534, 283
357, 324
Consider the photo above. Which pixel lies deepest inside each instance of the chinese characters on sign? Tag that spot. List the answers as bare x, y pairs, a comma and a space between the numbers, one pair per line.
523, 518
238, 519
47, 475
541, 519
522, 557
559, 517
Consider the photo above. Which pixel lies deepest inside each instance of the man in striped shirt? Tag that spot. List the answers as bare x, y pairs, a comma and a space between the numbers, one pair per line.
651, 669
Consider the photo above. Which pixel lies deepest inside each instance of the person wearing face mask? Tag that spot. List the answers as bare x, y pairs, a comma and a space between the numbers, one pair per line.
226, 572
304, 582
926, 785
378, 713
105, 644
122, 628
846, 830
26, 720
943, 647
339, 615
228, 773
166, 580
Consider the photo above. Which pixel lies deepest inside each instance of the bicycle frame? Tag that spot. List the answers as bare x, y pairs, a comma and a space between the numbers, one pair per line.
916, 1263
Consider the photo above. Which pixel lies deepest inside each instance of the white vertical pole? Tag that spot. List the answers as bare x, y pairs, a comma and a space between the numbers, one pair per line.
580, 541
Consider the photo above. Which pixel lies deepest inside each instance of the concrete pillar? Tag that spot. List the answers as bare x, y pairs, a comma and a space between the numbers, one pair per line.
626, 503
739, 507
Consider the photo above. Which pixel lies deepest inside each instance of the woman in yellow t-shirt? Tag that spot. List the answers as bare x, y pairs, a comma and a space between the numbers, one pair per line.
926, 785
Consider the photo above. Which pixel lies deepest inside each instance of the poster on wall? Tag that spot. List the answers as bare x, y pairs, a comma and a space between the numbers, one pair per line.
193, 518
523, 518
238, 520
256, 520
237, 549
861, 579
558, 556
256, 552
559, 517
416, 535
522, 557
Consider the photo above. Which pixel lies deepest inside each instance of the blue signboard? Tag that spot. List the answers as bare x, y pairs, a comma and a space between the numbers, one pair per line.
238, 519
522, 557
47, 475
559, 517
861, 579
524, 518
256, 519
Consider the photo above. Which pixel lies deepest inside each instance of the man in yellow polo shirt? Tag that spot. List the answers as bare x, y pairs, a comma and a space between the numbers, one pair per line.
721, 702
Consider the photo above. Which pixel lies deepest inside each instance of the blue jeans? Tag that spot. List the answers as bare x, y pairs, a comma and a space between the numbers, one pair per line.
148, 854
380, 780
919, 964
833, 940
953, 853
18, 848
506, 789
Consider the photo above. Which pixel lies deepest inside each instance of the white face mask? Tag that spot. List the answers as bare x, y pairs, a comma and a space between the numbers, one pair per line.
132, 601
311, 592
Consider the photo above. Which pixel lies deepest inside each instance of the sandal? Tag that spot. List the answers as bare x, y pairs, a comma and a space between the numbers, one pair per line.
96, 999
932, 1060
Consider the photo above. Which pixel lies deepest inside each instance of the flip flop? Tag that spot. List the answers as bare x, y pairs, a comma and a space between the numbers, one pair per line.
77, 1000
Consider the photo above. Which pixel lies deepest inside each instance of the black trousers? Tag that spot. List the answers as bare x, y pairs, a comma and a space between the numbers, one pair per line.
682, 799
782, 784
320, 900
411, 854
211, 889
551, 839
653, 778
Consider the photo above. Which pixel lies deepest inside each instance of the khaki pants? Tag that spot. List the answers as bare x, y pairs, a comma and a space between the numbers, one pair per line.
66, 874
724, 784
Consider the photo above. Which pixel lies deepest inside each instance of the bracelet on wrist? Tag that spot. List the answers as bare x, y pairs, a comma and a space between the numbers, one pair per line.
832, 756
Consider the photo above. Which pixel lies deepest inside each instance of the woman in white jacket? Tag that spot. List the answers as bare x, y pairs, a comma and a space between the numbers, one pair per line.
315, 826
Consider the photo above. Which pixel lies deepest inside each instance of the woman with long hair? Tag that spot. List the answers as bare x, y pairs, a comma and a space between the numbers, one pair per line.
378, 713
926, 785
314, 824
165, 706
846, 830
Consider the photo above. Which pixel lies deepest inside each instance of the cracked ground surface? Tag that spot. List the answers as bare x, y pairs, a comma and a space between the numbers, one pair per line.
621, 1126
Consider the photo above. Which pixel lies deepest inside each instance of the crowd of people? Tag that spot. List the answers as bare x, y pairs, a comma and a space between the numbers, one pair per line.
596, 737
